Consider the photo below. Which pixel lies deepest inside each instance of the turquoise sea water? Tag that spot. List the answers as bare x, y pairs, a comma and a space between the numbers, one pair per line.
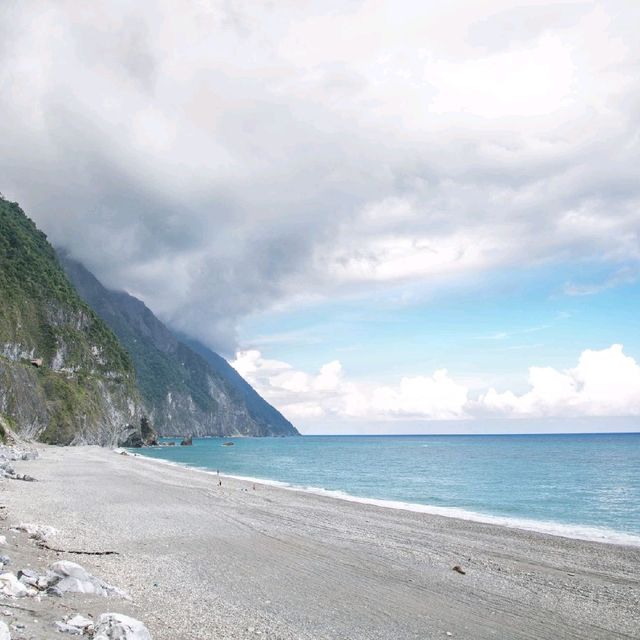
585, 486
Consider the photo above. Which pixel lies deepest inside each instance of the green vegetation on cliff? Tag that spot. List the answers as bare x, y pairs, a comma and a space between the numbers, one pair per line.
85, 388
186, 388
38, 299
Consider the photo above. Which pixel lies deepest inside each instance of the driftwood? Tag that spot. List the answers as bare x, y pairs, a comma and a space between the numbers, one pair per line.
15, 606
44, 545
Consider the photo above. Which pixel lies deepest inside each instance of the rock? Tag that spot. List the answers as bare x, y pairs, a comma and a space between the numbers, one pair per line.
3, 540
77, 626
63, 627
14, 453
5, 560
12, 587
4, 632
116, 626
36, 531
187, 441
459, 569
69, 577
24, 476
134, 441
148, 433
54, 592
7, 471
80, 621
28, 577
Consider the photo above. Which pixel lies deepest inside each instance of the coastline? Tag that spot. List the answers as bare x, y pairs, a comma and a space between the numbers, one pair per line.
572, 531
202, 561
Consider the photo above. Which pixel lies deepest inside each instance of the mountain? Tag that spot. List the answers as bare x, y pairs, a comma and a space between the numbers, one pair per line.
186, 388
256, 405
64, 377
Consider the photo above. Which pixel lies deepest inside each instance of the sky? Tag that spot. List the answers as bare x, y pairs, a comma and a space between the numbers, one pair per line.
388, 216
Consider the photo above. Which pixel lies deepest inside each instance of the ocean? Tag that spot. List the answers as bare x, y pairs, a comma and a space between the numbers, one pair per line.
580, 486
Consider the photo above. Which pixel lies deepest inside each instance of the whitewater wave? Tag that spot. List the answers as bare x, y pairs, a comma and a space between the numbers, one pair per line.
575, 531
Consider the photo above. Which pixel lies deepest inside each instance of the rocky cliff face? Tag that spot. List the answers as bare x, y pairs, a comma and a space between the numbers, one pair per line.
80, 387
186, 388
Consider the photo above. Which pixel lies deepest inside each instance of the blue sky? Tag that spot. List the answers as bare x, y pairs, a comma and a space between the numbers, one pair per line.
487, 329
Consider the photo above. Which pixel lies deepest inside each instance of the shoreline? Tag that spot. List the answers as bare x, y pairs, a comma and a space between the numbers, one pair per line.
570, 531
202, 561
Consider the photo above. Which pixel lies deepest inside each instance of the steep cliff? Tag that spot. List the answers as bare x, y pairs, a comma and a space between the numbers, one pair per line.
80, 386
185, 390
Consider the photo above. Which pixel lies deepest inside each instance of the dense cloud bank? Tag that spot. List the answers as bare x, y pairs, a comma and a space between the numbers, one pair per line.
217, 158
603, 383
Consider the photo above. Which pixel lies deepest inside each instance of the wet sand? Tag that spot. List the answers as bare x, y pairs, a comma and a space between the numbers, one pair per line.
202, 561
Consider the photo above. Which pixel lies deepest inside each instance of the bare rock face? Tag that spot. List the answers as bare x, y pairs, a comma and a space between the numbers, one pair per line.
186, 388
146, 436
133, 440
64, 377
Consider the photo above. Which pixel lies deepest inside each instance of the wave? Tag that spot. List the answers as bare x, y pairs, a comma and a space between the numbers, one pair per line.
588, 533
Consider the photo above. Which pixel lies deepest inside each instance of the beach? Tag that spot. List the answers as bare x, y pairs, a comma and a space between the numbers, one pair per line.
205, 561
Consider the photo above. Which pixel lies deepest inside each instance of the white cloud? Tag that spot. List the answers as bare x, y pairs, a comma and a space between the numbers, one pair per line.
437, 397
604, 383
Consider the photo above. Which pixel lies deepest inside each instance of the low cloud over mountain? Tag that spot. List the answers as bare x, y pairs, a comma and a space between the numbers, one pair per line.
217, 159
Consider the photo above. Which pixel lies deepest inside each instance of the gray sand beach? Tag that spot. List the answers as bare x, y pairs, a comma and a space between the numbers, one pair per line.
204, 562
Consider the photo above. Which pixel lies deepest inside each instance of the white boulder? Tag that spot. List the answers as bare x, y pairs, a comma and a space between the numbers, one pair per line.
63, 627
12, 587
69, 577
77, 626
36, 531
4, 632
80, 621
116, 626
